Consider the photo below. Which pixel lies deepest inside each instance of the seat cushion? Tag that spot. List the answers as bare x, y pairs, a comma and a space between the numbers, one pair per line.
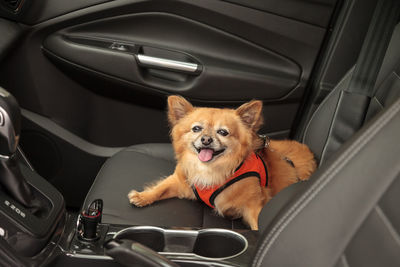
133, 168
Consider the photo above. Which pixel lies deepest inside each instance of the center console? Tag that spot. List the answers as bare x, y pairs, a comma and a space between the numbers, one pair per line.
123, 245
66, 239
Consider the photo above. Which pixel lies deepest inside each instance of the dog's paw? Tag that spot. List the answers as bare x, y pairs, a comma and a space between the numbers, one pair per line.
139, 199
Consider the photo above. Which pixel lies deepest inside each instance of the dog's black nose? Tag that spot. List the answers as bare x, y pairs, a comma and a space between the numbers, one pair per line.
206, 140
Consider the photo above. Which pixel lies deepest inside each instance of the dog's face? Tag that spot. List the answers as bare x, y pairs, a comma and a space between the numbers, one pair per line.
211, 139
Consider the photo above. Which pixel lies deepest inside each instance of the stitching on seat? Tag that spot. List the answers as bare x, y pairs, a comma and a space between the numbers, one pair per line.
383, 81
379, 102
388, 224
324, 101
344, 261
331, 127
320, 184
145, 153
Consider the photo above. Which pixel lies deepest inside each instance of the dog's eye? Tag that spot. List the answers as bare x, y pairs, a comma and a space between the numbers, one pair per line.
222, 132
197, 129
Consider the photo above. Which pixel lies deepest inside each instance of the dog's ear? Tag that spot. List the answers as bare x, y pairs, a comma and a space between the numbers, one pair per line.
178, 107
250, 114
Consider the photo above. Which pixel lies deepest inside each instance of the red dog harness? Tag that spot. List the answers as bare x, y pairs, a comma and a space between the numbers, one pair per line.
253, 166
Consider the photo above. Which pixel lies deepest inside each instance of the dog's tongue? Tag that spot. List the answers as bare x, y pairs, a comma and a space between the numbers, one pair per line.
206, 154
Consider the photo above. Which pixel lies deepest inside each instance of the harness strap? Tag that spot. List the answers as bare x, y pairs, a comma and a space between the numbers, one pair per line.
231, 182
265, 169
208, 196
196, 193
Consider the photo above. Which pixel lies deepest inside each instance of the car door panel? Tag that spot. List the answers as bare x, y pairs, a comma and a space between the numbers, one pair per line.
226, 69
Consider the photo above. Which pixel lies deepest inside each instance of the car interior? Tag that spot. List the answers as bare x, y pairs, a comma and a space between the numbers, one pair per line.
83, 99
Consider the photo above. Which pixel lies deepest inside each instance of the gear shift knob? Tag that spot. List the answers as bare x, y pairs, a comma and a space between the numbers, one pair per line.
10, 121
11, 178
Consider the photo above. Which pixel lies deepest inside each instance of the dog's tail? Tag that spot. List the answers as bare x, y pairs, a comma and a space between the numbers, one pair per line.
301, 156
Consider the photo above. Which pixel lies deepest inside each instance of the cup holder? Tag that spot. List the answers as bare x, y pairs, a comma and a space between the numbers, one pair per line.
150, 237
219, 244
216, 244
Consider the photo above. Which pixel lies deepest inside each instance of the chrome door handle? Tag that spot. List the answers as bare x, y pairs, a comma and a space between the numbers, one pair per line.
167, 64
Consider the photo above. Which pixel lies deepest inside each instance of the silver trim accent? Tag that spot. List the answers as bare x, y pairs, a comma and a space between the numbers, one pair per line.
119, 47
167, 63
7, 129
78, 223
111, 233
4, 157
1, 119
4, 92
188, 232
25, 159
89, 256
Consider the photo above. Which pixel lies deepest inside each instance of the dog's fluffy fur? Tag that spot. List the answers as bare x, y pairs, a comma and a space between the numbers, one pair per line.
234, 137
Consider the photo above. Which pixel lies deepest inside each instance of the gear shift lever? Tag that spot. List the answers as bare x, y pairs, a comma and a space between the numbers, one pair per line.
11, 177
31, 209
9, 124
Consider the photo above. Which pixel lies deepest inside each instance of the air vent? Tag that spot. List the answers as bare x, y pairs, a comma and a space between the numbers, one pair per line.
13, 5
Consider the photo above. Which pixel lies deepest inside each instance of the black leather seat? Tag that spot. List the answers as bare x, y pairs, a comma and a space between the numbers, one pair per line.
135, 167
139, 165
347, 214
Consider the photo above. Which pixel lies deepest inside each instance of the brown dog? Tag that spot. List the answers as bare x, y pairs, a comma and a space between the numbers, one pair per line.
223, 162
